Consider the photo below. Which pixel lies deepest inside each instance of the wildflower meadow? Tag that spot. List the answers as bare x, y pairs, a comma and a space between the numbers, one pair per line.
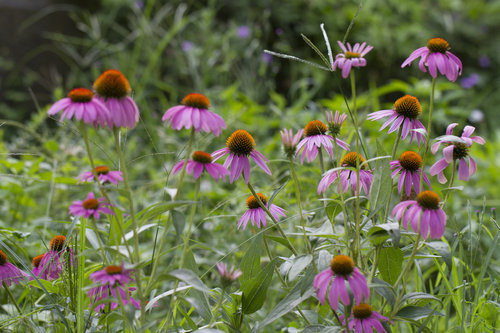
241, 167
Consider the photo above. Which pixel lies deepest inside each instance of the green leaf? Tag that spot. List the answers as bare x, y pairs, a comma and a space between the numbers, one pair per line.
384, 289
298, 266
280, 240
294, 298
416, 312
390, 262
158, 209
380, 233
419, 295
443, 249
48, 285
190, 278
179, 220
380, 190
250, 264
333, 208
255, 290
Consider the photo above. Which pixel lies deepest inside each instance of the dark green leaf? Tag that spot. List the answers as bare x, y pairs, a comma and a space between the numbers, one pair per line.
381, 232
443, 249
190, 278
333, 208
380, 190
255, 289
384, 289
250, 264
416, 312
279, 240
418, 295
389, 264
179, 220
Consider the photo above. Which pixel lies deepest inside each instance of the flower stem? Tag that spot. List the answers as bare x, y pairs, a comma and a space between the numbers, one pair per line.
81, 275
11, 296
393, 156
375, 263
190, 222
357, 241
450, 184
276, 223
344, 210
429, 124
217, 307
116, 132
403, 274
299, 202
154, 259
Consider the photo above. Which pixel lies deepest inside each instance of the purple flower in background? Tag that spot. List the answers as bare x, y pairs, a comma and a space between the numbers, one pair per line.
364, 319
187, 46
484, 61
256, 213
194, 113
351, 57
112, 279
243, 32
470, 81
82, 105
424, 215
103, 174
436, 56
403, 115
239, 146
457, 148
266, 57
227, 276
90, 207
202, 161
8, 272
278, 31
341, 270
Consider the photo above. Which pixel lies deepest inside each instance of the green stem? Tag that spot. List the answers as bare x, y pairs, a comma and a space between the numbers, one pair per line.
81, 275
344, 210
190, 222
375, 263
116, 132
450, 184
124, 313
11, 296
155, 258
301, 213
276, 223
357, 241
322, 166
217, 307
393, 156
429, 125
403, 274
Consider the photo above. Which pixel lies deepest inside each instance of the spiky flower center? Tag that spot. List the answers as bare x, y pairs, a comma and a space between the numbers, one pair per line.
196, 101
410, 160
428, 200
461, 150
102, 170
90, 203
342, 265
252, 203
241, 143
408, 106
57, 243
438, 45
36, 261
352, 55
112, 84
81, 95
315, 127
202, 157
113, 269
349, 160
3, 258
362, 311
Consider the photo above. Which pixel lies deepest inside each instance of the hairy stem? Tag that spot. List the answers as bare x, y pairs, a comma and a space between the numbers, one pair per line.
429, 125
393, 156
450, 184
81, 275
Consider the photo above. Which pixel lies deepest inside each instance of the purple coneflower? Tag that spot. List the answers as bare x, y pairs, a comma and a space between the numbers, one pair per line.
113, 90
227, 276
90, 207
290, 140
425, 209
35, 264
103, 174
404, 113
315, 137
243, 31
82, 105
348, 176
409, 167
351, 57
193, 113
111, 280
239, 146
457, 148
436, 56
202, 161
8, 272
364, 319
335, 122
341, 270
53, 262
256, 213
